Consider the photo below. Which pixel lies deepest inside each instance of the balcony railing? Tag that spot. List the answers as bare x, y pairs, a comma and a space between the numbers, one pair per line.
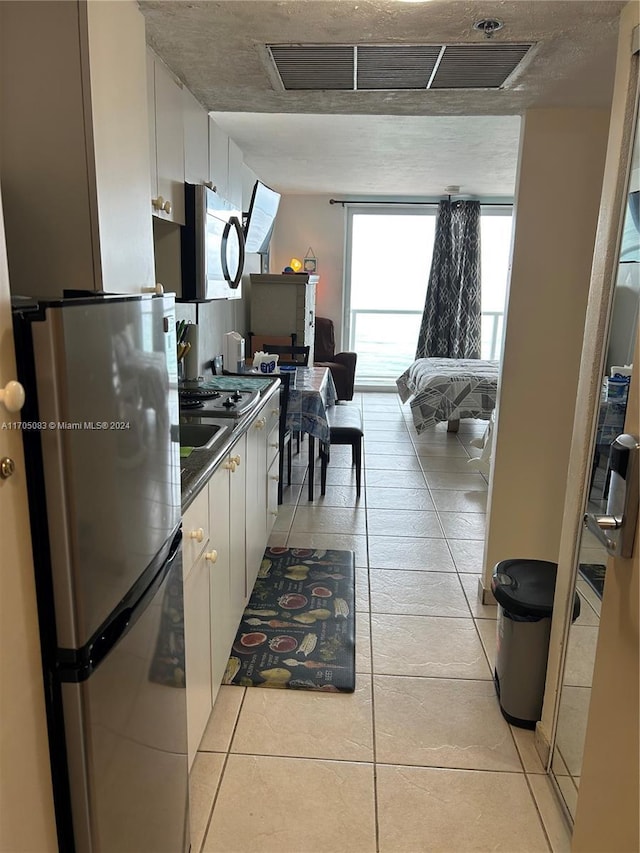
385, 341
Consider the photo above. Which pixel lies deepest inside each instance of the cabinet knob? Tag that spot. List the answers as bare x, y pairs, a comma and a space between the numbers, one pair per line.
273, 444
275, 477
211, 556
230, 466
158, 203
12, 395
275, 412
236, 460
197, 534
260, 423
167, 207
274, 512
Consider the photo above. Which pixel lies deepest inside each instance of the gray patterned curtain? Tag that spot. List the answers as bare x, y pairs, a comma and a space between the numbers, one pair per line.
451, 320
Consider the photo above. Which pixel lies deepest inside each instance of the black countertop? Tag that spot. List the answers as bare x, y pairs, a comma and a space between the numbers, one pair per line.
196, 469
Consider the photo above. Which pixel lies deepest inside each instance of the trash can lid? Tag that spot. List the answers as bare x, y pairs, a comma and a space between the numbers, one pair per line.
525, 587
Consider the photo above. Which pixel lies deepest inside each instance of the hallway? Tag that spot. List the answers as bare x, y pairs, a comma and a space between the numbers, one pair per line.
419, 757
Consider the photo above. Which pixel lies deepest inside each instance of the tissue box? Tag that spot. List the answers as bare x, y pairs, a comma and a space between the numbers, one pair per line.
265, 362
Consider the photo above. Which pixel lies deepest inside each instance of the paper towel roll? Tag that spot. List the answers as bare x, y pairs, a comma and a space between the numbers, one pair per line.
192, 358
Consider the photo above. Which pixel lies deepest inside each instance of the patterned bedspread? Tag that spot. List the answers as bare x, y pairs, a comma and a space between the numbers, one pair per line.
447, 389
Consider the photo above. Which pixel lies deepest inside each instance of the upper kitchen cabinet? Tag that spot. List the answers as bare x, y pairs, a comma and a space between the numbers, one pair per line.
166, 132
74, 153
236, 160
196, 140
225, 164
219, 159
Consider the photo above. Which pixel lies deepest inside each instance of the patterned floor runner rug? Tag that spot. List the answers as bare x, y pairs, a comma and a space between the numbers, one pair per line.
298, 629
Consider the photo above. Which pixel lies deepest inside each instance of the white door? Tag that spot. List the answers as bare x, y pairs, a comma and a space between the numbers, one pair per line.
26, 805
596, 729
607, 810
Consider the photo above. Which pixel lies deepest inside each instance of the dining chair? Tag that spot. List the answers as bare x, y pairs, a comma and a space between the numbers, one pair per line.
260, 343
284, 435
299, 356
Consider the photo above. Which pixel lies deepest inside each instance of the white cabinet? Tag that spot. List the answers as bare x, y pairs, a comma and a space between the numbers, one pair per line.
196, 139
225, 165
285, 305
234, 180
225, 531
256, 521
237, 542
219, 159
273, 467
166, 138
75, 155
220, 577
197, 620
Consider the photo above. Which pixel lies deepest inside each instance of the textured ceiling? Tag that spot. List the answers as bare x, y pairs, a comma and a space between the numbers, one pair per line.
327, 141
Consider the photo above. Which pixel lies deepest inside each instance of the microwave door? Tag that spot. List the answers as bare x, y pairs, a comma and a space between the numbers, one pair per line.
232, 252
216, 286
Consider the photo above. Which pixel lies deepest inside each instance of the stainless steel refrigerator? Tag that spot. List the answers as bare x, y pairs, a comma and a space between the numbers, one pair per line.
100, 427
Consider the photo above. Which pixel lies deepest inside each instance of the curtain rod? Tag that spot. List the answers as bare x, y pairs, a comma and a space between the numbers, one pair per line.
344, 201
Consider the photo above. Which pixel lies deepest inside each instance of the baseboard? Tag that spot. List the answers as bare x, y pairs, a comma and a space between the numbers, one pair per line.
485, 595
542, 744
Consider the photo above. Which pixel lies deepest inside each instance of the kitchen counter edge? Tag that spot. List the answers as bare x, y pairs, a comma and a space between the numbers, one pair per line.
201, 464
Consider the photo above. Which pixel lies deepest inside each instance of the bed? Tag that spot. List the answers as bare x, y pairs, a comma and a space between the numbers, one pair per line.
447, 389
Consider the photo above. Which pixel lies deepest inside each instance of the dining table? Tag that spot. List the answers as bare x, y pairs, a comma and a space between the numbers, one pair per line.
311, 394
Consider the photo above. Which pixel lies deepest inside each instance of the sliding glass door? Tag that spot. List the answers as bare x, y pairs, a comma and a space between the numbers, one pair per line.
389, 253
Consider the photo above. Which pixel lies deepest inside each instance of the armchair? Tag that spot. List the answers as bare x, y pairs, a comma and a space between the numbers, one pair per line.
342, 364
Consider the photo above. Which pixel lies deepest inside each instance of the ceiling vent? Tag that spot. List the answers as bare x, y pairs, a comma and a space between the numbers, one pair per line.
394, 67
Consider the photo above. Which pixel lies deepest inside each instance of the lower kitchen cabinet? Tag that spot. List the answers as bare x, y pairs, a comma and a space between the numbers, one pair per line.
237, 542
220, 576
272, 494
256, 522
197, 620
225, 532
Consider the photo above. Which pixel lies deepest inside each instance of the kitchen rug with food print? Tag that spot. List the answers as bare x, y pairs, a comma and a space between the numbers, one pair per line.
298, 629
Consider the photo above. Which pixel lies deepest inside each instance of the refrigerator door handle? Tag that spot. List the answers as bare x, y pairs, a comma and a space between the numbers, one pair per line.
78, 664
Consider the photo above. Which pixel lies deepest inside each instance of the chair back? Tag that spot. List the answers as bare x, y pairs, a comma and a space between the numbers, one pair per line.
294, 355
285, 385
260, 343
324, 340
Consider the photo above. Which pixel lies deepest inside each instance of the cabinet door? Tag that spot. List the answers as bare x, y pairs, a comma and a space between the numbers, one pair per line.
118, 88
219, 577
272, 494
237, 508
256, 473
236, 160
197, 640
151, 115
219, 159
195, 531
169, 144
196, 140
310, 318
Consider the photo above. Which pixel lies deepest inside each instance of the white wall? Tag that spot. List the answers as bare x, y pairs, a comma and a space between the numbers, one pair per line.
557, 200
305, 221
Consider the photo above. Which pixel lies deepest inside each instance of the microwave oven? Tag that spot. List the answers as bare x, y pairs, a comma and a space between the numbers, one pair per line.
212, 246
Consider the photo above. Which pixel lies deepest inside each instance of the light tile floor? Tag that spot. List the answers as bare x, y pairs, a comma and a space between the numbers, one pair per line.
419, 757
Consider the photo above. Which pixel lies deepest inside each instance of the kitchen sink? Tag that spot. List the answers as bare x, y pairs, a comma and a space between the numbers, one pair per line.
201, 436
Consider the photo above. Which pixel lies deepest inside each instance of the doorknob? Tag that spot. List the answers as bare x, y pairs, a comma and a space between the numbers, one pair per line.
12, 395
622, 504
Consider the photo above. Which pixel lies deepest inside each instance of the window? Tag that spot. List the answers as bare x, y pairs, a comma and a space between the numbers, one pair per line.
389, 254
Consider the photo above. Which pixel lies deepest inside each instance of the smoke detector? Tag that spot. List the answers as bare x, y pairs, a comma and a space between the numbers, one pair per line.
488, 26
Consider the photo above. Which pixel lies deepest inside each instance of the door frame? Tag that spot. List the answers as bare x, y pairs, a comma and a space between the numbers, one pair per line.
624, 117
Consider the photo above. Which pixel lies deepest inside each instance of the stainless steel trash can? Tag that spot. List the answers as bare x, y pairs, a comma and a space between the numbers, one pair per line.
524, 590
